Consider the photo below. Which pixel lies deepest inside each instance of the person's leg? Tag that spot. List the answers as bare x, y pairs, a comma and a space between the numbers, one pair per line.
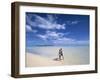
62, 57
59, 57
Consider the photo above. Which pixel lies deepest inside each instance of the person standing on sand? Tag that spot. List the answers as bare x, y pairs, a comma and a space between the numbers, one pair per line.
61, 54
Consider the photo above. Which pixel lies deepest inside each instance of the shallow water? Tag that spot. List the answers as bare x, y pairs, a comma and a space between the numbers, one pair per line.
73, 55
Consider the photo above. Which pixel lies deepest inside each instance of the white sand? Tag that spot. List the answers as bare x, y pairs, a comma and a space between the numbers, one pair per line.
45, 56
33, 60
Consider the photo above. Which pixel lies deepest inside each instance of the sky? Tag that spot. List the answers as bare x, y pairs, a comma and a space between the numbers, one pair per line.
56, 29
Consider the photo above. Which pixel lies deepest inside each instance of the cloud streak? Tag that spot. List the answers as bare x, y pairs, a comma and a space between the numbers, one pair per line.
51, 35
49, 24
59, 39
29, 29
74, 22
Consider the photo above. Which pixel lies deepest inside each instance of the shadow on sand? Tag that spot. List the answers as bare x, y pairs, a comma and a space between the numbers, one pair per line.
56, 59
60, 60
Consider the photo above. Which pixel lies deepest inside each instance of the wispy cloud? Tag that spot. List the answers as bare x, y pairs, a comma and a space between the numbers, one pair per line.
59, 39
69, 41
55, 37
50, 35
72, 22
44, 37
49, 23
51, 18
29, 29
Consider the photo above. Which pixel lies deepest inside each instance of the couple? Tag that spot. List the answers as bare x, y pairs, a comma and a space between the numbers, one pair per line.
61, 57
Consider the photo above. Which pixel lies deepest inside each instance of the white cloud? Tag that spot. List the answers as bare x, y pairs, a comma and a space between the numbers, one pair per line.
45, 23
30, 22
35, 31
56, 38
73, 22
50, 18
68, 41
44, 37
51, 35
28, 28
63, 41
59, 39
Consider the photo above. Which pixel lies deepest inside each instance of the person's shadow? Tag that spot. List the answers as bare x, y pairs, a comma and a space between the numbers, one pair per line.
56, 59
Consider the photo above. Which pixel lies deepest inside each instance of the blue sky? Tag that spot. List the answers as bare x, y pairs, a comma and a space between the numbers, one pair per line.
56, 29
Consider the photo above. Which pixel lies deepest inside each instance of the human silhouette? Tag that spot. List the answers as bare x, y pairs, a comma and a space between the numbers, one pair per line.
61, 57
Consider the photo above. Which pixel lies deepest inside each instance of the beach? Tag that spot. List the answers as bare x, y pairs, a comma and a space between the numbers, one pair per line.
37, 60
47, 56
